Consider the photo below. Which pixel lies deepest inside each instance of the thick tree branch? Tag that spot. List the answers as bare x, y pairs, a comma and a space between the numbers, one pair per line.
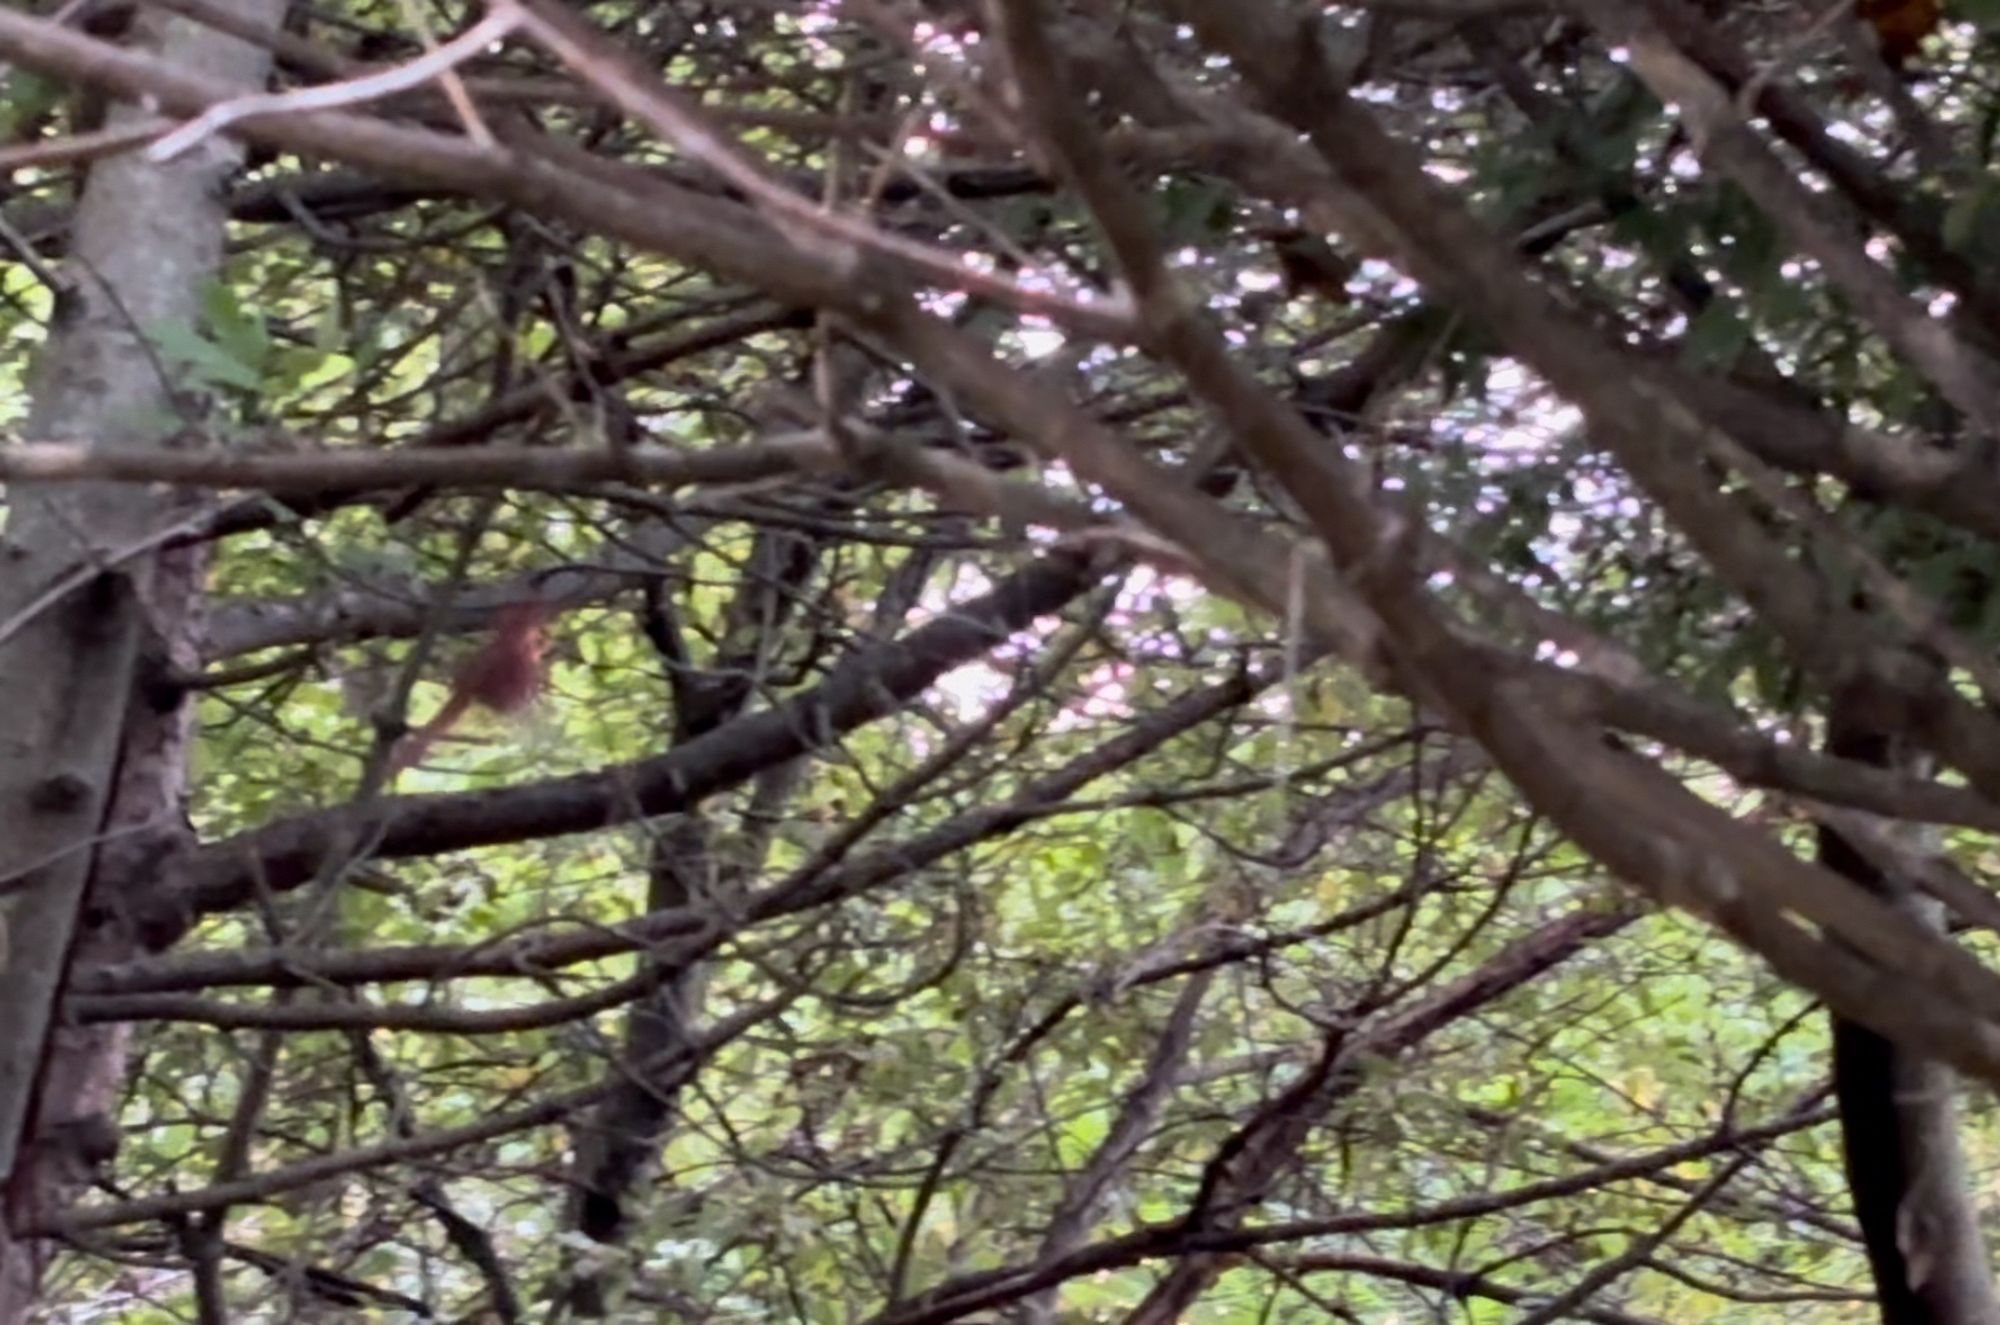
284, 855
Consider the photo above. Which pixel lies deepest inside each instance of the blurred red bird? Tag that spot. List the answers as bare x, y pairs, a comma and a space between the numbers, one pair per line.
505, 675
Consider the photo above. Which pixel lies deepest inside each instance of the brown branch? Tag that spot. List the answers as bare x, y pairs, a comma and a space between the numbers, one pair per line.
678, 1066
1171, 1240
540, 174
1968, 378
284, 855
357, 1016
683, 934
1457, 1284
321, 471
1628, 814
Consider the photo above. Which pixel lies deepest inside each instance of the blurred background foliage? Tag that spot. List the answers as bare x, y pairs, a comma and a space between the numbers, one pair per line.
1107, 987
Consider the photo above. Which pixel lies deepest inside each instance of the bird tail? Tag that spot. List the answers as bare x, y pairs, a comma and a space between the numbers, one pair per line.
418, 743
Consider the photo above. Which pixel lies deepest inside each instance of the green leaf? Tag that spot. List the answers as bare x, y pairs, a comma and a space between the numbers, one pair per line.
211, 363
1983, 14
1973, 218
240, 333
29, 97
1193, 210
1715, 337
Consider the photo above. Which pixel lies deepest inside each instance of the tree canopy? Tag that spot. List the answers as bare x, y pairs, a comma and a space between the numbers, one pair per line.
1229, 662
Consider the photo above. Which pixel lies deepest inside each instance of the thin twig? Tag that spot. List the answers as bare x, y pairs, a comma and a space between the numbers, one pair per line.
448, 79
493, 28
802, 220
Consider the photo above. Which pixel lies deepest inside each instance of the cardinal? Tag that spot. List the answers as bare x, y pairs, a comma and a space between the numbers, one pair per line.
504, 676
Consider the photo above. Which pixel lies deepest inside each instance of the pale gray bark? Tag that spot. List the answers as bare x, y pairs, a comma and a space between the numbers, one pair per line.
1899, 1120
83, 597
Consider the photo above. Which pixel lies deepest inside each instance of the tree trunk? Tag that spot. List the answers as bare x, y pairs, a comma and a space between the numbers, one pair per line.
88, 764
1898, 1118
617, 1145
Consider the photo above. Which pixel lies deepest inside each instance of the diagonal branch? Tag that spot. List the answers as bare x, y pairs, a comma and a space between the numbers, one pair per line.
870, 685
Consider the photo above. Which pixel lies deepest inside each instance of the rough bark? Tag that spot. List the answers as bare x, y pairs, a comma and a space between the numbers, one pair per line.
1898, 1117
88, 762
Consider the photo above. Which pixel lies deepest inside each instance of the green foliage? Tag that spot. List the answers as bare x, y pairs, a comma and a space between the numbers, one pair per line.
1985, 13
1194, 210
26, 99
1972, 221
947, 1043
